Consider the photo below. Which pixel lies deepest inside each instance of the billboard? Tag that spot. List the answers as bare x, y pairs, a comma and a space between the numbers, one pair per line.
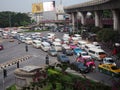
49, 6
37, 7
59, 9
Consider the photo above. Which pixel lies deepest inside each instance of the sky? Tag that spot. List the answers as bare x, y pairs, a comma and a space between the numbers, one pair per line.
26, 5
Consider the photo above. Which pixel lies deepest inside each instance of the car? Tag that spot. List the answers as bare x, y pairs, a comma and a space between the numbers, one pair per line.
77, 51
89, 62
72, 46
97, 54
97, 45
81, 43
28, 40
65, 40
57, 40
85, 55
66, 49
80, 67
52, 52
109, 69
63, 58
57, 46
45, 46
108, 60
36, 43
1, 47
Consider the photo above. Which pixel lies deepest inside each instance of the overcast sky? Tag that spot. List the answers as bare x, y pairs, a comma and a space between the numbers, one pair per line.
26, 5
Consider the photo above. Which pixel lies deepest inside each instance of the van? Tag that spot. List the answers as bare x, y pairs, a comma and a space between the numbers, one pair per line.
98, 54
81, 44
57, 46
45, 46
36, 43
88, 46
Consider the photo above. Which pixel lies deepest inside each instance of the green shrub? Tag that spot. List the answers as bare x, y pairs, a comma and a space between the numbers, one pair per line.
13, 87
107, 35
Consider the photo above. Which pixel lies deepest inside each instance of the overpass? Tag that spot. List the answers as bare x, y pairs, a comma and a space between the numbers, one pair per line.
96, 6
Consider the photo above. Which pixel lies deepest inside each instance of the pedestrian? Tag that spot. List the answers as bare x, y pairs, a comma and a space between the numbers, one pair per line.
114, 52
26, 48
47, 60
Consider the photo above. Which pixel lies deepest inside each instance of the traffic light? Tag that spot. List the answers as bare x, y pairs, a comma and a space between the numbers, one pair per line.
4, 73
18, 64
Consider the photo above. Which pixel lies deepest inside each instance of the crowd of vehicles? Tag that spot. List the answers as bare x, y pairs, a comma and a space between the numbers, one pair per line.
85, 52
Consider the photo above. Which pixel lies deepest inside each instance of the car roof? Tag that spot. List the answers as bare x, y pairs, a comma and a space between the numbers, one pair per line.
56, 43
96, 50
45, 43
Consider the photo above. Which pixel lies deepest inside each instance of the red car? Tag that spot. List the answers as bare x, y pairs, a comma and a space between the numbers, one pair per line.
88, 62
1, 47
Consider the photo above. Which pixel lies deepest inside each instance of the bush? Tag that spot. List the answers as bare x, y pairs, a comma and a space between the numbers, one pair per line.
13, 87
107, 35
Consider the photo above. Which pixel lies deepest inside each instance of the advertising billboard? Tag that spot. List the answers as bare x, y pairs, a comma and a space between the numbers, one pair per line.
37, 7
59, 9
49, 6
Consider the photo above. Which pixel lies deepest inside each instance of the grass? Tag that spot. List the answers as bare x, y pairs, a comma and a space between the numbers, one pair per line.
69, 80
13, 87
35, 30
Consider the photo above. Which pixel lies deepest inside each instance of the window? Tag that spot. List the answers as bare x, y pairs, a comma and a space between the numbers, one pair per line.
90, 51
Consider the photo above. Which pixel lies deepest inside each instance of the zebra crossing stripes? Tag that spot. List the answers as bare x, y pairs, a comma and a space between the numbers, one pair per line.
14, 61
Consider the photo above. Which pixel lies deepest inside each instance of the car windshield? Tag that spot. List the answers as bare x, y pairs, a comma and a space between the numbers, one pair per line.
84, 54
52, 50
114, 68
68, 50
100, 53
111, 61
63, 56
81, 65
77, 49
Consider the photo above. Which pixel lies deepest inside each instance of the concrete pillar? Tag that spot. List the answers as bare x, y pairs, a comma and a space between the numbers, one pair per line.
98, 20
116, 20
83, 18
73, 15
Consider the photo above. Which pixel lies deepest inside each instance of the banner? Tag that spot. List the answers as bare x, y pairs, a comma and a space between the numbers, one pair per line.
49, 6
37, 7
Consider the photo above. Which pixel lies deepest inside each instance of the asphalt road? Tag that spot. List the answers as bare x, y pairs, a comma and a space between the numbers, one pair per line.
13, 50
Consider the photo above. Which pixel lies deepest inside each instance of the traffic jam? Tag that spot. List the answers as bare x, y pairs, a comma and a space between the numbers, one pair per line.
85, 53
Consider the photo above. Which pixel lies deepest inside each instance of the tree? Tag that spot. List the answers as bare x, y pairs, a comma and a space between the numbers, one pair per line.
8, 19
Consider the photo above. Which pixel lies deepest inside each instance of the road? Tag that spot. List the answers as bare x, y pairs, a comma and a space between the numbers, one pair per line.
13, 50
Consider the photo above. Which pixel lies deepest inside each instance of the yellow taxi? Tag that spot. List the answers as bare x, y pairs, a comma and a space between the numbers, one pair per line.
109, 69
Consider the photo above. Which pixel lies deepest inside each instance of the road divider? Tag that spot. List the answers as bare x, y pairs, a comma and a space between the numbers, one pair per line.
14, 61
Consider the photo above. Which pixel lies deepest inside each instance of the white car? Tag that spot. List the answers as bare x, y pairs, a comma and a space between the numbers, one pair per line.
108, 60
36, 43
45, 46
57, 40
85, 55
57, 46
97, 45
28, 40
